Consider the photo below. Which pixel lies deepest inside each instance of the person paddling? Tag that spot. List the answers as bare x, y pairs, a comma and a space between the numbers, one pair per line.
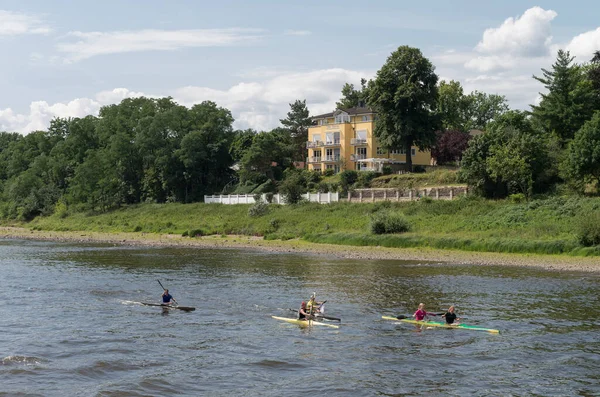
450, 316
167, 298
302, 312
420, 314
313, 307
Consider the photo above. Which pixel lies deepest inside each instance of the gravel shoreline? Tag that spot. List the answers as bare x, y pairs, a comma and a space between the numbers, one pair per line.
549, 262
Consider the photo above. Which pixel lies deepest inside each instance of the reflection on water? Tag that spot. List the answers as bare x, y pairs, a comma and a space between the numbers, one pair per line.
76, 329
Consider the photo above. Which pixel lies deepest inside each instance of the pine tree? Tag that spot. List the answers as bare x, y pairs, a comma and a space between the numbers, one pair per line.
297, 123
569, 101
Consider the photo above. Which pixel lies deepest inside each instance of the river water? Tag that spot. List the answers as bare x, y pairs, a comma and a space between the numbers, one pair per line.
71, 326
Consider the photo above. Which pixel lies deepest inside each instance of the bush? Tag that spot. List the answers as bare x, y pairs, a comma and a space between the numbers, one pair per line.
387, 170
387, 222
418, 169
196, 233
257, 209
348, 178
517, 198
588, 233
328, 172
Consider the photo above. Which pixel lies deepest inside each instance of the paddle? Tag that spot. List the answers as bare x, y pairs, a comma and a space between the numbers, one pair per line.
177, 303
402, 317
322, 316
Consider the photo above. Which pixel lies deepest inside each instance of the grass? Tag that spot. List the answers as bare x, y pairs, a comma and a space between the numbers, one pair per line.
438, 177
546, 226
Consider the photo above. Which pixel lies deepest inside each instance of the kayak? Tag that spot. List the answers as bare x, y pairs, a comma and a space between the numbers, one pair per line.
304, 323
442, 325
184, 308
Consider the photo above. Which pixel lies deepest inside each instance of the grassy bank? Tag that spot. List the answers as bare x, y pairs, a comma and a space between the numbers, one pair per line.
548, 226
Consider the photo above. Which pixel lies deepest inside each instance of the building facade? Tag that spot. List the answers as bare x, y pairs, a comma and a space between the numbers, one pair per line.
344, 140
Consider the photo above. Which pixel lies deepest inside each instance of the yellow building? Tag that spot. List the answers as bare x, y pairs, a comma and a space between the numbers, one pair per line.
343, 140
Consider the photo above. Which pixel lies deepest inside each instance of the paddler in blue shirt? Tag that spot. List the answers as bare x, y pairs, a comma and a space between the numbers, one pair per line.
167, 298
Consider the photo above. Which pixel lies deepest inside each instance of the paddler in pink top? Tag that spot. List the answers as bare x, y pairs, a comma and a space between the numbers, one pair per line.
421, 313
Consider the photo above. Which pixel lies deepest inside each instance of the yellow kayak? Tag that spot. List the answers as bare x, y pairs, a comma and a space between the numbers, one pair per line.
304, 323
441, 324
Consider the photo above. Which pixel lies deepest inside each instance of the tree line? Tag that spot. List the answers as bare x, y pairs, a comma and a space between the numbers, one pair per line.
155, 150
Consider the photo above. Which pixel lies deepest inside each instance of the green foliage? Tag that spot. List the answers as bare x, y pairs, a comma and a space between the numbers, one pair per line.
582, 163
365, 177
569, 102
293, 186
505, 161
383, 222
517, 198
347, 179
296, 124
404, 94
257, 209
329, 172
352, 97
588, 229
196, 233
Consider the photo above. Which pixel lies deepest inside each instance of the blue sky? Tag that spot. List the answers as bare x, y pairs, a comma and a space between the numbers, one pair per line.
67, 59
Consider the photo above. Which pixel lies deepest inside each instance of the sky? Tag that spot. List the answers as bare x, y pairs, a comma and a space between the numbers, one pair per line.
68, 59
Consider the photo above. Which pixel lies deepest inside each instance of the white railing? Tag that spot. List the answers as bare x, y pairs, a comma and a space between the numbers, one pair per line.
355, 157
311, 160
323, 198
332, 143
314, 144
358, 141
332, 158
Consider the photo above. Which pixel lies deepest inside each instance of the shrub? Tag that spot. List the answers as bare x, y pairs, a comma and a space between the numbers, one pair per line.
588, 232
517, 198
328, 172
418, 169
348, 178
257, 209
138, 228
196, 233
387, 170
387, 222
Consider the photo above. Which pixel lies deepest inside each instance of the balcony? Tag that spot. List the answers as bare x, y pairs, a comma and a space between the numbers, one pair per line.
356, 157
312, 160
331, 159
333, 143
358, 141
314, 144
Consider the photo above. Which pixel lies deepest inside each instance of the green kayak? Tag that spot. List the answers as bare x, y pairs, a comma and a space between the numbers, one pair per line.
441, 325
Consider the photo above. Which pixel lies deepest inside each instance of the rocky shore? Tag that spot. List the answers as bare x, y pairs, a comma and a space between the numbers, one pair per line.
549, 262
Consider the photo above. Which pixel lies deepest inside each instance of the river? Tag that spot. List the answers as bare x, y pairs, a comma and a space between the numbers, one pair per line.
71, 325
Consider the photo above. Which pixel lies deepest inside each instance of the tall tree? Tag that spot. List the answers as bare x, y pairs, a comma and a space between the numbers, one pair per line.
297, 123
453, 106
569, 101
582, 164
352, 97
404, 94
485, 108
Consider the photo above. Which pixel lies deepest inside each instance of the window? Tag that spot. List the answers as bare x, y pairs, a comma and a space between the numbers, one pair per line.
361, 153
329, 166
316, 137
317, 153
362, 135
332, 138
342, 118
366, 118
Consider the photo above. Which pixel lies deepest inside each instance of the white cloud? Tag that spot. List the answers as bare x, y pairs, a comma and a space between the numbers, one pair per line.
91, 44
291, 32
257, 105
527, 35
15, 23
584, 45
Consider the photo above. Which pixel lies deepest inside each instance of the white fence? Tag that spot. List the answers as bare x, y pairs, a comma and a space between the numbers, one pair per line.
323, 198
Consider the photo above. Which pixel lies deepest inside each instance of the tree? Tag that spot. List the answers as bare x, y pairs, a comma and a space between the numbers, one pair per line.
453, 106
404, 94
485, 108
266, 158
352, 97
450, 146
569, 102
504, 161
297, 123
583, 159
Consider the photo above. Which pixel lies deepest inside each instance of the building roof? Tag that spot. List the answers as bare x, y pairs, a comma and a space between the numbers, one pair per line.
350, 111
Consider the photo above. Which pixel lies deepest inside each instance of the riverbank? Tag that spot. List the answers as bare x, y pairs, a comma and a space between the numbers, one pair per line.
549, 262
